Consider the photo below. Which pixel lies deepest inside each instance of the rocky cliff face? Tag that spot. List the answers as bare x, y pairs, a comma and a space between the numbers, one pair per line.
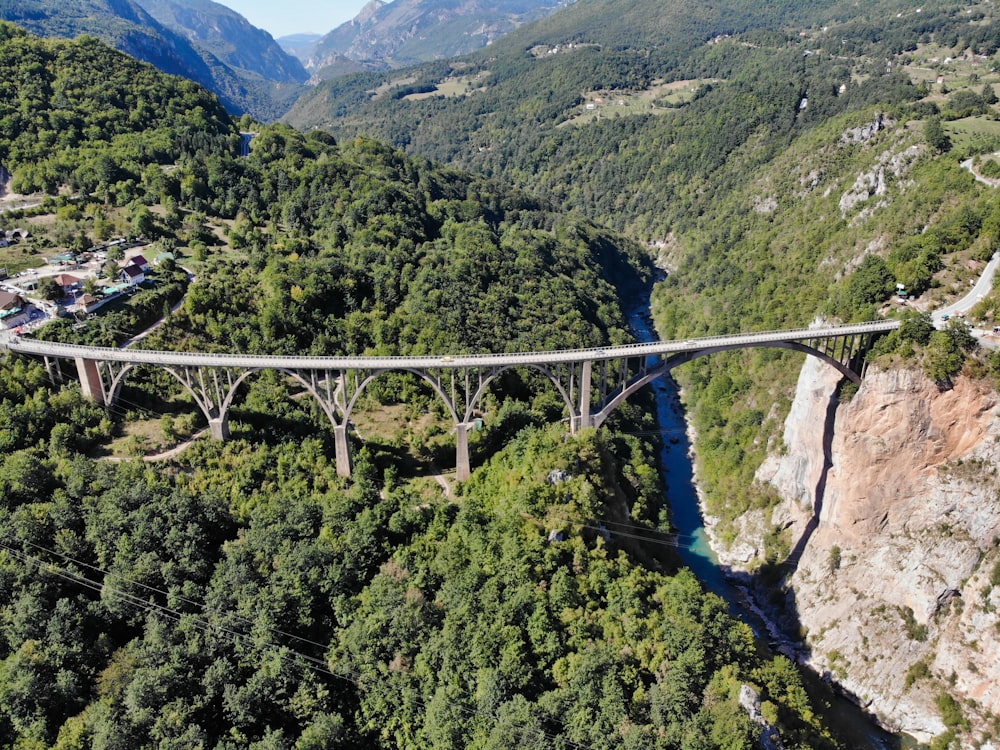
228, 36
892, 502
406, 32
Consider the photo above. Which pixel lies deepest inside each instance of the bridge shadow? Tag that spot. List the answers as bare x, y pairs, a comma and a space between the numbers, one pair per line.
769, 591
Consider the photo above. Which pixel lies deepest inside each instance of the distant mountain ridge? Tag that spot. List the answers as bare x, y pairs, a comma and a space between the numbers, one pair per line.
198, 39
404, 32
229, 36
301, 45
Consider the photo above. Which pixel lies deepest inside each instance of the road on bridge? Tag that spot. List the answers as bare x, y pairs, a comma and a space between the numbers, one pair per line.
292, 362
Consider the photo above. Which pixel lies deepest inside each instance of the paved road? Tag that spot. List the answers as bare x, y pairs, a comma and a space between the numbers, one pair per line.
967, 164
979, 290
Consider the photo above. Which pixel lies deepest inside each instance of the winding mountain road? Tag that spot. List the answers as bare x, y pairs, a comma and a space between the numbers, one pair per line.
979, 290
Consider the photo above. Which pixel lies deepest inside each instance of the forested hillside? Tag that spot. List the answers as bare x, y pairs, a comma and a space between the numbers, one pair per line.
241, 594
67, 104
640, 115
242, 65
827, 160
762, 153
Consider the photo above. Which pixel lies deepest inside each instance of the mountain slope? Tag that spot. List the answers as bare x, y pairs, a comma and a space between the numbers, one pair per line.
229, 36
125, 25
541, 107
663, 106
404, 32
80, 114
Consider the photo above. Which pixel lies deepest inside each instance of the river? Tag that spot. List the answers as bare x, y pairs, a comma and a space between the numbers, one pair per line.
847, 721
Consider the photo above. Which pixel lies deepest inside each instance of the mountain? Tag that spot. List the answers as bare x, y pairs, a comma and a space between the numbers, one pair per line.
404, 32
224, 33
299, 45
243, 85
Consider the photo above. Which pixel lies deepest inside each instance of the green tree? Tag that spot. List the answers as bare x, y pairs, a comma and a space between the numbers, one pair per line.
943, 359
935, 136
143, 224
48, 288
870, 284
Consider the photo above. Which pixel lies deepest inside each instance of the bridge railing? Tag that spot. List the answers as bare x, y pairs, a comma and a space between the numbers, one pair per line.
193, 359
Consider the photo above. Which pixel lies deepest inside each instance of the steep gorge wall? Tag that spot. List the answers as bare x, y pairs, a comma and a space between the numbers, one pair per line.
891, 501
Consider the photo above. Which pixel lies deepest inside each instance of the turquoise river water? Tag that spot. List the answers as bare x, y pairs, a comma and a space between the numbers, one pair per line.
856, 729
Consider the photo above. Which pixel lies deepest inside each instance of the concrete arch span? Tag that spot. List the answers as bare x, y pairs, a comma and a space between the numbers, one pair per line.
117, 381
461, 415
216, 410
371, 377
679, 359
327, 402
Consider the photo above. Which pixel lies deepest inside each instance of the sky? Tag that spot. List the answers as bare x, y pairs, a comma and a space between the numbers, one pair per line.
284, 17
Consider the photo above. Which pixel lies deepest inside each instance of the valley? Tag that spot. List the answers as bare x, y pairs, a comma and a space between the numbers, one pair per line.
307, 582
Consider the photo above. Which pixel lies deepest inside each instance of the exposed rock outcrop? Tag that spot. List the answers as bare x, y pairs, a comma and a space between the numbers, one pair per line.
895, 516
891, 167
866, 132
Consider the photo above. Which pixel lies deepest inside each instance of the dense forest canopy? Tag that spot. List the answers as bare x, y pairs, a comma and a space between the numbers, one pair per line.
77, 114
242, 594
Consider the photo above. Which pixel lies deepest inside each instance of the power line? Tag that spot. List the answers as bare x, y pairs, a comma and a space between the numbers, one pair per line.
352, 675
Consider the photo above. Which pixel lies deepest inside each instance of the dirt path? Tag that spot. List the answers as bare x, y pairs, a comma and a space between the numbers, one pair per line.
163, 455
445, 487
177, 306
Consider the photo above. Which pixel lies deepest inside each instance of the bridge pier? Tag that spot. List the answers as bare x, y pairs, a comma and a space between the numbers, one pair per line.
53, 370
342, 450
586, 374
219, 427
90, 380
463, 468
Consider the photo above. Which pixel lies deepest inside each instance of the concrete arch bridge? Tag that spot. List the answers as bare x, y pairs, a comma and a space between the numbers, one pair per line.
591, 382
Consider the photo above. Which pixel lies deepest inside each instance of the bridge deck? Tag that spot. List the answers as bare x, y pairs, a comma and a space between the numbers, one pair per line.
197, 359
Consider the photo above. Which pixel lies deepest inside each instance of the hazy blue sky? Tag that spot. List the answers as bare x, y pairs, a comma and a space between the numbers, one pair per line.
284, 17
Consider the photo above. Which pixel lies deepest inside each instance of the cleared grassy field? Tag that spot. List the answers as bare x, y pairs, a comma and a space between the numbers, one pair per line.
974, 134
454, 86
658, 98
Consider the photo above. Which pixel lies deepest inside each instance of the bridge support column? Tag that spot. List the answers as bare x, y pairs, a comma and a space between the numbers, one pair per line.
53, 369
90, 380
342, 450
586, 374
219, 427
463, 468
